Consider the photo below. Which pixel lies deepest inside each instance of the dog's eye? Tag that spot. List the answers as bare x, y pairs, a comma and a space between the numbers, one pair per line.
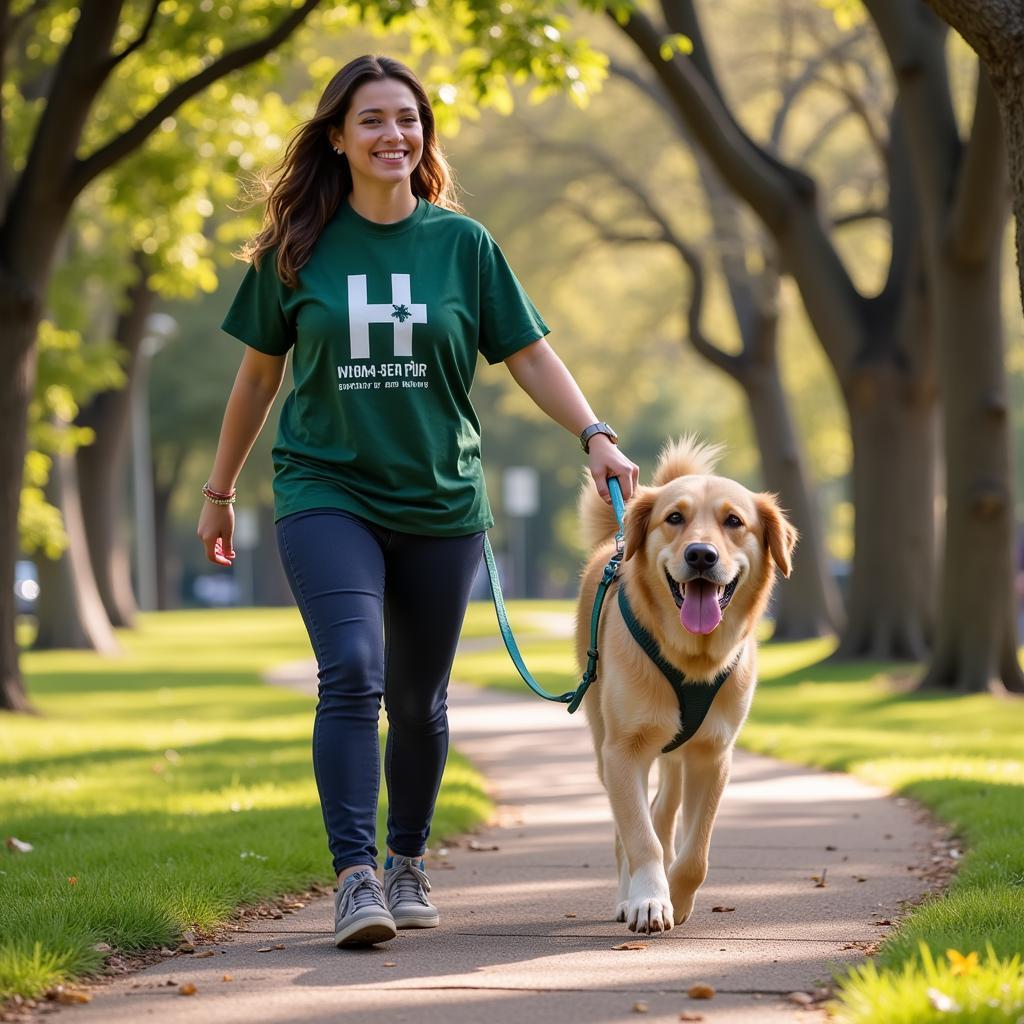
675, 518
733, 521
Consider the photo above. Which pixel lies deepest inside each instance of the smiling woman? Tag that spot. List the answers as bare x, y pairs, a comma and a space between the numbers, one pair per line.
386, 296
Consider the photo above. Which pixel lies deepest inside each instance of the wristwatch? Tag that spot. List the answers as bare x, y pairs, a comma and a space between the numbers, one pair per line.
597, 428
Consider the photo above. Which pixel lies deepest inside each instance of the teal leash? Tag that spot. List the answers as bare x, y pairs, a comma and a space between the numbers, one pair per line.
571, 697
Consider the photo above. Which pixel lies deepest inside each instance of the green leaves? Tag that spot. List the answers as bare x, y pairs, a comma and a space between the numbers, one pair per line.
675, 43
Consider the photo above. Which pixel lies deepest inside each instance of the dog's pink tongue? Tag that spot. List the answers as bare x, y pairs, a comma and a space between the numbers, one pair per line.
700, 612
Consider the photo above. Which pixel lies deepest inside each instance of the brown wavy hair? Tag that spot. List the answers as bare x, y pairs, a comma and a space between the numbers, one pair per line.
311, 181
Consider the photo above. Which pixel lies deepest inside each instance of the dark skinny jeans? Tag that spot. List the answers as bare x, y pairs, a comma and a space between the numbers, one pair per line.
383, 610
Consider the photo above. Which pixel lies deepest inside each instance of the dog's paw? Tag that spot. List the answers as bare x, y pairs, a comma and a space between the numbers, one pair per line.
622, 910
683, 909
649, 915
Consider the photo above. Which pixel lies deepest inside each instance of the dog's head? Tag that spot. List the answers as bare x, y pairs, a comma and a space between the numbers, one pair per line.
706, 541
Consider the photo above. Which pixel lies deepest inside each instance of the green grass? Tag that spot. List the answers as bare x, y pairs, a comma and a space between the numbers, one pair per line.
171, 784
961, 756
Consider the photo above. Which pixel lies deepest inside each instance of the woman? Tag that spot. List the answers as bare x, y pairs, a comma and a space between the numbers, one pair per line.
387, 294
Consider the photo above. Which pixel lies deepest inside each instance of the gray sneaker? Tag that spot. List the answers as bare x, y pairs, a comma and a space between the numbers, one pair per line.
361, 917
405, 889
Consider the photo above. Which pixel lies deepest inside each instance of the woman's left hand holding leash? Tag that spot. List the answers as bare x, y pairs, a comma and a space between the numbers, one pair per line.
606, 460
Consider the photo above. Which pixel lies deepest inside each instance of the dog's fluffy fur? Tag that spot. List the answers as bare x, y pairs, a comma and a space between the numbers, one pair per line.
631, 707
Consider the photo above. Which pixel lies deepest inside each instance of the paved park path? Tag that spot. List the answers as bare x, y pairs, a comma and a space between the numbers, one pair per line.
526, 933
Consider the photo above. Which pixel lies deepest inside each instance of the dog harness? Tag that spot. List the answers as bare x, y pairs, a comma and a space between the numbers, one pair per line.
695, 699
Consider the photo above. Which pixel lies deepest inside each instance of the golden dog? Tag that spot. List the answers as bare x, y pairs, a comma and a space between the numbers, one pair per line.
698, 569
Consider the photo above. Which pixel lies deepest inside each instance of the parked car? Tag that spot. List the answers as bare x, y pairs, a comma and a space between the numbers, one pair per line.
26, 587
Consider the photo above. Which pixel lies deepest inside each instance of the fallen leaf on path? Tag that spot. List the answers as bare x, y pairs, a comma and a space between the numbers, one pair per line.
722, 910
689, 1015
16, 845
819, 880
859, 878
884, 921
570, 915
188, 989
640, 1007
278, 945
800, 998
227, 977
831, 848
166, 952
265, 949
390, 963
631, 945
479, 847
204, 954
701, 991
67, 996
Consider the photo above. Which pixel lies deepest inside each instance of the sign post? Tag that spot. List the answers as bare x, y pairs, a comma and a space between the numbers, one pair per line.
521, 500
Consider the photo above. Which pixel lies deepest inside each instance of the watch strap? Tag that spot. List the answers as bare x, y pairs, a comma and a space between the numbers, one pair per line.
597, 428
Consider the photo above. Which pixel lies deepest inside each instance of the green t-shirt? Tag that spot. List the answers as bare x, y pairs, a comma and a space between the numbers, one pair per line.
386, 324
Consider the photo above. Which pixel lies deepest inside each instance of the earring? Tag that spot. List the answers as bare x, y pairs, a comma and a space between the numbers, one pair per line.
336, 150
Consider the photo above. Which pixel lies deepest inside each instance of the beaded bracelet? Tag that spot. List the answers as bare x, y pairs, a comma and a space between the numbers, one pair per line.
216, 497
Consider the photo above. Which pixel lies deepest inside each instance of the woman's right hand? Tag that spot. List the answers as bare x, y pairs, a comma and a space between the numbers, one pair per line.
216, 529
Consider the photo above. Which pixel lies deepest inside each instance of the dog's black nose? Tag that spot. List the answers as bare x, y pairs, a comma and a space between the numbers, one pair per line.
701, 556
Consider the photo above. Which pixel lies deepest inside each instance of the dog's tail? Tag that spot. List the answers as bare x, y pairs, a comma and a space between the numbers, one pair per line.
689, 456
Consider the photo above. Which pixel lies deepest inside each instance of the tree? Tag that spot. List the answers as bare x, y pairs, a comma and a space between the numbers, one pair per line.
961, 188
879, 346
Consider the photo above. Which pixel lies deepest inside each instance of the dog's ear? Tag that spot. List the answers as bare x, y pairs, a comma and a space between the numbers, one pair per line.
638, 518
780, 536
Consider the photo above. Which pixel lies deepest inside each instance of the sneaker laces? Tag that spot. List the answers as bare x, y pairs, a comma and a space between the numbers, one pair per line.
365, 892
409, 881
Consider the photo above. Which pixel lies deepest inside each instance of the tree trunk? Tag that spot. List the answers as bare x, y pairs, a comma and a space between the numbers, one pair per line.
977, 627
16, 388
166, 474
808, 604
995, 30
102, 466
889, 610
71, 613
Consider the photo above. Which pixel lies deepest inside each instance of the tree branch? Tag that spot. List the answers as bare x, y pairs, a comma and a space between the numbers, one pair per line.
795, 87
77, 79
87, 168
762, 181
987, 27
856, 216
782, 197
143, 35
666, 233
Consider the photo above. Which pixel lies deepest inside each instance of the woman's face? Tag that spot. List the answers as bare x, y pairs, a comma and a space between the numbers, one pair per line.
382, 135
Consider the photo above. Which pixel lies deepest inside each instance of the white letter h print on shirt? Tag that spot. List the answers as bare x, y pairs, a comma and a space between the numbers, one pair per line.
402, 313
